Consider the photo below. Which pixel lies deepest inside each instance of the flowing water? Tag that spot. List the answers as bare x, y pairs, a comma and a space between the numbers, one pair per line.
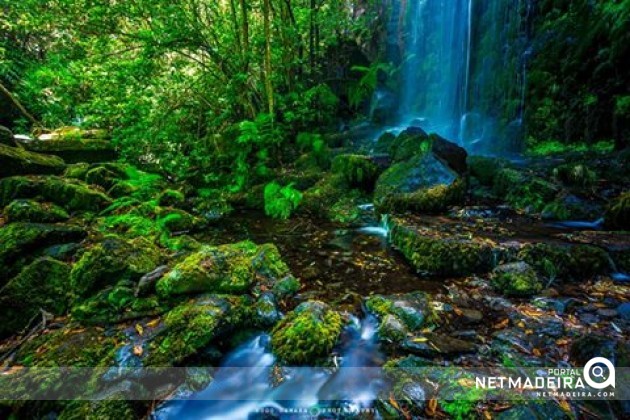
247, 385
463, 68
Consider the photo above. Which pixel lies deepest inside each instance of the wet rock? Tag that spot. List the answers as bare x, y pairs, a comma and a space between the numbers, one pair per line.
384, 143
6, 137
575, 175
412, 310
409, 143
607, 313
435, 345
471, 316
193, 325
618, 213
74, 150
422, 183
267, 313
391, 329
113, 260
433, 253
20, 240
516, 279
358, 171
146, 285
624, 311
562, 262
42, 285
306, 333
17, 161
514, 338
70, 194
450, 153
233, 268
33, 211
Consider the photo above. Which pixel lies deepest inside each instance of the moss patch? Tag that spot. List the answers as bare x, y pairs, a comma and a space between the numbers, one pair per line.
307, 333
516, 279
33, 211
618, 213
17, 161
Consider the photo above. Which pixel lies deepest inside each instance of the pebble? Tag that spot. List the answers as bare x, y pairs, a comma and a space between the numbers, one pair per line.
624, 311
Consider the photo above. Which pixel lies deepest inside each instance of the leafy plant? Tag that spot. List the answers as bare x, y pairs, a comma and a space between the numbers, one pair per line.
280, 201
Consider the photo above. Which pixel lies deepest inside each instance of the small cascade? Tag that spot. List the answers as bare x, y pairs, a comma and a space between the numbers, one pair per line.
243, 384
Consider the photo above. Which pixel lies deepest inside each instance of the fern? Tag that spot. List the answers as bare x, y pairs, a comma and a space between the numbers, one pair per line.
280, 201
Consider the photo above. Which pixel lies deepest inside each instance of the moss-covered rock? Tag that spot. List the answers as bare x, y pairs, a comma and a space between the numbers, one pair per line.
422, 184
117, 304
108, 409
33, 211
17, 161
400, 314
516, 279
358, 171
618, 213
20, 240
575, 175
102, 177
505, 179
191, 326
308, 332
384, 142
107, 262
74, 150
333, 198
76, 347
409, 143
435, 253
70, 194
176, 220
233, 268
561, 262
532, 195
41, 285
484, 169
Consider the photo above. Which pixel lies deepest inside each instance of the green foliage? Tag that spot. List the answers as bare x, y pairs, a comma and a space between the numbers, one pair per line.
553, 147
281, 201
367, 83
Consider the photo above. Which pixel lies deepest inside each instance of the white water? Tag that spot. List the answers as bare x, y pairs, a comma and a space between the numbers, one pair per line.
242, 386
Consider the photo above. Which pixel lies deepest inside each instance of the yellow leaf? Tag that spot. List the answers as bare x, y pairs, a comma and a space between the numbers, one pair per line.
431, 407
420, 339
153, 323
139, 329
393, 402
137, 350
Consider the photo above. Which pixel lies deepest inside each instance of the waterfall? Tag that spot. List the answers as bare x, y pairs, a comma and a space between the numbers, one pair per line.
463, 68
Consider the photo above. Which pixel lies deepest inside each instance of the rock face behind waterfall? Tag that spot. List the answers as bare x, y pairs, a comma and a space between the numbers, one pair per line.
426, 175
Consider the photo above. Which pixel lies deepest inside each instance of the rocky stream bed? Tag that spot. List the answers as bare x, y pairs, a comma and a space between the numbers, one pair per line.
404, 248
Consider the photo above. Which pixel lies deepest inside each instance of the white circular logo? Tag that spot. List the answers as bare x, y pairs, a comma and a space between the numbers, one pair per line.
592, 369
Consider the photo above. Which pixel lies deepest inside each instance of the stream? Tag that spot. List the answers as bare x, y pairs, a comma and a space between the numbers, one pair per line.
247, 383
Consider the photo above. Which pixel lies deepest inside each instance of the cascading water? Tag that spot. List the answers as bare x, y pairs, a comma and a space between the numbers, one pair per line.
243, 387
463, 68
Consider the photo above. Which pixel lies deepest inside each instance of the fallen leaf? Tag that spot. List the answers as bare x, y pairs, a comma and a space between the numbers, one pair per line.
502, 324
137, 350
139, 329
393, 401
431, 407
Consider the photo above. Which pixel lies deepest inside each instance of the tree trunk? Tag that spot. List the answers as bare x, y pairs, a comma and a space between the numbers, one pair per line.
19, 106
268, 70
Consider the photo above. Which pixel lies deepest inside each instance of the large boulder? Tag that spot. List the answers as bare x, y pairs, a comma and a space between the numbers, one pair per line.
17, 161
193, 325
20, 240
74, 145
232, 268
33, 211
42, 285
110, 261
308, 332
435, 253
423, 183
358, 171
448, 152
6, 136
71, 194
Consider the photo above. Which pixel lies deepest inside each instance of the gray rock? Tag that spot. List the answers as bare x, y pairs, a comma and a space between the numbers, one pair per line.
146, 285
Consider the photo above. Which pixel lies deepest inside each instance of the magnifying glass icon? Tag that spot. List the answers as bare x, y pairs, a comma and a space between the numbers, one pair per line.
598, 372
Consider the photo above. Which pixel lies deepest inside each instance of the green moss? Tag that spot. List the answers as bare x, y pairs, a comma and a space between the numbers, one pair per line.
618, 213
232, 268
33, 211
68, 193
384, 143
504, 180
20, 240
117, 304
307, 333
102, 177
435, 254
115, 409
400, 314
575, 175
193, 325
41, 285
484, 168
176, 220
17, 161
76, 347
555, 261
286, 286
587, 261
112, 260
429, 200
170, 198
408, 145
75, 150
516, 279
554, 147
333, 198
77, 171
531, 195
358, 171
